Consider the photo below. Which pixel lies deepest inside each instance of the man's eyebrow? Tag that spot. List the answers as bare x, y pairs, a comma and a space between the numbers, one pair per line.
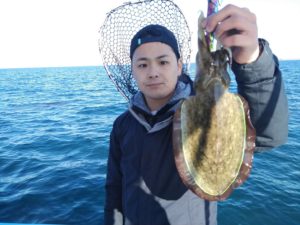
142, 59
162, 56
158, 57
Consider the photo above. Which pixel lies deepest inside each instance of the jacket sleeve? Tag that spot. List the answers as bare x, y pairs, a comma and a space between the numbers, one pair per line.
113, 196
261, 84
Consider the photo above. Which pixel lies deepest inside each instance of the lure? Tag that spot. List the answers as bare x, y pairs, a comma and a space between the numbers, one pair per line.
213, 7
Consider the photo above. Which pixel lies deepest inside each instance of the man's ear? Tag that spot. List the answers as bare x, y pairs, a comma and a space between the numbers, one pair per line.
179, 66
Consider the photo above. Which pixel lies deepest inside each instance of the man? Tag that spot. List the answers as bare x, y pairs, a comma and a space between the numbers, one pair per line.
143, 185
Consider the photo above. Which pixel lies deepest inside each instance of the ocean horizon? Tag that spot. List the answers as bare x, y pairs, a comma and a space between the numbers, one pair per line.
55, 124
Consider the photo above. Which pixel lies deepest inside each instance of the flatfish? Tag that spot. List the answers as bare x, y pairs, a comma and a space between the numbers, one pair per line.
213, 137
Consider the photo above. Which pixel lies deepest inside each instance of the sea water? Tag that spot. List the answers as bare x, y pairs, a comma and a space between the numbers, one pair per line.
54, 137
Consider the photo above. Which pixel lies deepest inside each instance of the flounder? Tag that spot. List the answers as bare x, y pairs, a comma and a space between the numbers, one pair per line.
213, 136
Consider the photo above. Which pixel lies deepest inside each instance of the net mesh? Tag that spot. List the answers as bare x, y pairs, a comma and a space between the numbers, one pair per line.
122, 23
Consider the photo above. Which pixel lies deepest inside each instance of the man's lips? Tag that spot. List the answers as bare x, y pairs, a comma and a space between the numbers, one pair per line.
153, 84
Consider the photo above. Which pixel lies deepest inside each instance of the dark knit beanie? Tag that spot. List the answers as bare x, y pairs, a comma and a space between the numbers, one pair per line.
154, 33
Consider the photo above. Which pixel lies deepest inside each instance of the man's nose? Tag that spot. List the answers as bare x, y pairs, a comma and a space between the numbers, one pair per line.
153, 72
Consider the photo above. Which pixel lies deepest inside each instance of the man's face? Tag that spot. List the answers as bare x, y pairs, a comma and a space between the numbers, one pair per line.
156, 69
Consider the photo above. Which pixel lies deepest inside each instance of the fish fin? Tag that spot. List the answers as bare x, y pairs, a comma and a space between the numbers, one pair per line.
203, 56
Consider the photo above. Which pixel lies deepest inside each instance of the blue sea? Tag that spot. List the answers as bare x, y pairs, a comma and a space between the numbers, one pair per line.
54, 134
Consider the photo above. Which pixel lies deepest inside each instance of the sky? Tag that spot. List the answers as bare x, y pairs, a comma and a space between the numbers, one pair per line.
50, 33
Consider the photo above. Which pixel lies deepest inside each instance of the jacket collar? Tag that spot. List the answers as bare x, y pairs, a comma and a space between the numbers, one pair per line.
163, 117
182, 90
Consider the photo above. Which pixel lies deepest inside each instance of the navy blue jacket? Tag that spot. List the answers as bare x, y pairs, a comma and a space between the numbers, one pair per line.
143, 185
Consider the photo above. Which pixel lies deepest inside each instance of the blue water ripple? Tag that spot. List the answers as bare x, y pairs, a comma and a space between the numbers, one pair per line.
55, 125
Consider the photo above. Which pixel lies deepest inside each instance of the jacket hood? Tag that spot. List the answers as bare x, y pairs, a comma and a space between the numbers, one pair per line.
163, 117
182, 90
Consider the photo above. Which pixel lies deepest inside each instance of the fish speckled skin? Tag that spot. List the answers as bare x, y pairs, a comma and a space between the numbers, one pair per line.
213, 136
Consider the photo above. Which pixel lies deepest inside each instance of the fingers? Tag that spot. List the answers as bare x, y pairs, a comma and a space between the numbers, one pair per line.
236, 31
228, 11
232, 25
235, 28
